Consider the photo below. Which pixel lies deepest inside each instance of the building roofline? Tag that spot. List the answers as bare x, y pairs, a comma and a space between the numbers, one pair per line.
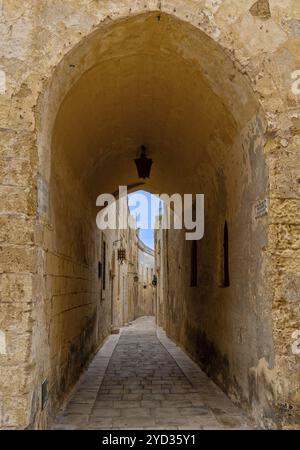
142, 246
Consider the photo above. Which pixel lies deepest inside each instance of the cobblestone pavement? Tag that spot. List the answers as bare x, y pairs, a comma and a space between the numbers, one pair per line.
142, 380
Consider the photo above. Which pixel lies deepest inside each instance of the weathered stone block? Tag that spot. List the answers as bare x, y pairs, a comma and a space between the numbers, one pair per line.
16, 288
285, 210
15, 318
16, 144
14, 379
285, 240
15, 172
17, 259
16, 411
16, 230
17, 200
18, 349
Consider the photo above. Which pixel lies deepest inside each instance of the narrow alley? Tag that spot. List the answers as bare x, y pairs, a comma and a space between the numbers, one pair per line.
140, 379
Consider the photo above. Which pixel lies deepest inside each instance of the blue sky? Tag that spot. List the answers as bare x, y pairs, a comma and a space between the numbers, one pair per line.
139, 209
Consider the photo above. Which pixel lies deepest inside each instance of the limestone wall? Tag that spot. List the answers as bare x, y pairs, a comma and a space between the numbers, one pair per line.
145, 305
228, 330
132, 273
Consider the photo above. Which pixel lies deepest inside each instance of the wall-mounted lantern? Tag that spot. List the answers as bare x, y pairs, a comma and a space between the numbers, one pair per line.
135, 276
121, 255
154, 280
143, 164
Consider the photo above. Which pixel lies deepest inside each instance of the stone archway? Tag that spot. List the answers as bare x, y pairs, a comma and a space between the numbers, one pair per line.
209, 73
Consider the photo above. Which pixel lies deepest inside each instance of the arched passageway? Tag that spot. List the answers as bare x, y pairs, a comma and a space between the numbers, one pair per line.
156, 81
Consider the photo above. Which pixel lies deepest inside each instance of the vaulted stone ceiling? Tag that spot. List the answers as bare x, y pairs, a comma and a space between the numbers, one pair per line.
156, 81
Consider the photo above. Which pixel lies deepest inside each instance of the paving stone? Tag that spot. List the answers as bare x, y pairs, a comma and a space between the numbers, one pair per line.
136, 412
103, 404
109, 397
84, 399
131, 397
79, 408
105, 412
64, 427
165, 412
134, 422
194, 410
175, 403
150, 403
143, 381
127, 404
100, 422
73, 419
148, 396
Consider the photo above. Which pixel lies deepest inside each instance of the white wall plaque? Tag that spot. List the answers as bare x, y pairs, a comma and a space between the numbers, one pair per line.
2, 343
2, 82
261, 208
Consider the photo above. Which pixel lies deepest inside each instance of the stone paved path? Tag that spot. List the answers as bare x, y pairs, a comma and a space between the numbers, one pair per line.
141, 379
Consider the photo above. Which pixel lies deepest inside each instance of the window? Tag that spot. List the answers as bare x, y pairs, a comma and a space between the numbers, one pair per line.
103, 265
226, 281
194, 264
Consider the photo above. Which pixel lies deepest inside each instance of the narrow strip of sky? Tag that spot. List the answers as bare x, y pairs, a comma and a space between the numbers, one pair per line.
143, 210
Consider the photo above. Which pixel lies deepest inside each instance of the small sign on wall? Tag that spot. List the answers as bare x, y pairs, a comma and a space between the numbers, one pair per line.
2, 343
261, 208
43, 196
2, 82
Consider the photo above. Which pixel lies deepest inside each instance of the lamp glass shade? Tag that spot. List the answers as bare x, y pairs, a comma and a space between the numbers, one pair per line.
143, 164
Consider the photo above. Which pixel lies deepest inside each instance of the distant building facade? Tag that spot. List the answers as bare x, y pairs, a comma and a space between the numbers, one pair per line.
145, 305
